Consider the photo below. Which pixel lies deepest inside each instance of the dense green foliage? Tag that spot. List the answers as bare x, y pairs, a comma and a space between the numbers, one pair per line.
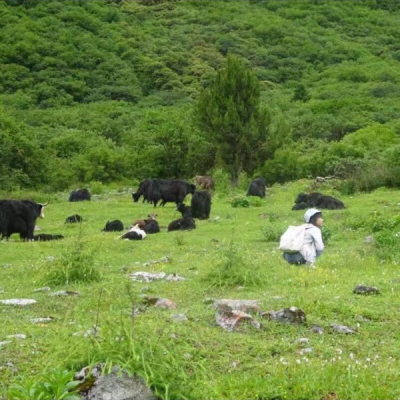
231, 115
106, 90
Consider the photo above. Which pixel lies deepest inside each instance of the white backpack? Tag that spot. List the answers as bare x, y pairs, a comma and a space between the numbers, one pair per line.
293, 239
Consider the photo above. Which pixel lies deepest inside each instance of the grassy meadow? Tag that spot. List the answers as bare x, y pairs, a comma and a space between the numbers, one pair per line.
234, 256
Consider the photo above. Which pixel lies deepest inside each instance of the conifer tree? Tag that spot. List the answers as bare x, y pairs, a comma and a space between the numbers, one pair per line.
230, 114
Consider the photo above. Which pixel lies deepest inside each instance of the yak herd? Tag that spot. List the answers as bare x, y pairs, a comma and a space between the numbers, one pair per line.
20, 216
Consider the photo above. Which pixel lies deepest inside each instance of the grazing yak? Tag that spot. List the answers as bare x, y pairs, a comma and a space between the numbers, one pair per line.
205, 182
113, 226
19, 217
318, 200
201, 204
73, 219
164, 190
142, 191
45, 237
134, 233
185, 223
169, 191
257, 188
79, 195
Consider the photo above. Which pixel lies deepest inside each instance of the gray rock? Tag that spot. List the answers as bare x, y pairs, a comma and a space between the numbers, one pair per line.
174, 278
64, 293
43, 289
17, 336
44, 320
342, 329
230, 319
317, 329
369, 239
18, 302
179, 317
120, 387
146, 276
362, 289
292, 315
247, 306
4, 343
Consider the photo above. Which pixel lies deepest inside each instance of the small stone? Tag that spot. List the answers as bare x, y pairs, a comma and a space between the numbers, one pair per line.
208, 300
247, 306
4, 343
146, 276
43, 289
342, 329
362, 289
64, 293
50, 258
302, 341
160, 302
292, 315
179, 317
317, 329
17, 336
18, 302
230, 319
369, 239
174, 278
44, 320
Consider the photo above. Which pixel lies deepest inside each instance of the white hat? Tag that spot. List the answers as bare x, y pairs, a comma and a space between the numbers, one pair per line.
310, 213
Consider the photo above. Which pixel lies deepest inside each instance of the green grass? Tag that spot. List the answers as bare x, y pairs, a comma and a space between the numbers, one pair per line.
198, 359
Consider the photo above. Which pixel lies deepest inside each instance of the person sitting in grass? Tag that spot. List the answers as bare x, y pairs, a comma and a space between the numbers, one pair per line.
313, 246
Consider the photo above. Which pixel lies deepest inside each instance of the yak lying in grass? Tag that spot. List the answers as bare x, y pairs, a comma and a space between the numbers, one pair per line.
134, 233
73, 219
318, 200
186, 223
45, 237
113, 226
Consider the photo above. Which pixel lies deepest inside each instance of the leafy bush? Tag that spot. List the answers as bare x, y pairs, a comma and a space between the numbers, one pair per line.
240, 201
75, 265
388, 245
56, 385
271, 232
247, 201
235, 270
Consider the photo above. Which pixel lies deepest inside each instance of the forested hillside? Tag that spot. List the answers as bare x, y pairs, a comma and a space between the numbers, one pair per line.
106, 90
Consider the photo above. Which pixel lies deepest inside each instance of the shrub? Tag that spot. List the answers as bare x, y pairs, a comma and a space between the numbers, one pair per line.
240, 201
271, 233
246, 201
56, 385
75, 265
235, 270
388, 245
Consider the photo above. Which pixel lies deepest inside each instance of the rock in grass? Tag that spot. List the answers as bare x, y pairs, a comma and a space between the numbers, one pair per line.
292, 315
42, 289
179, 317
120, 386
342, 329
230, 319
18, 302
174, 278
160, 302
44, 320
4, 343
369, 239
247, 306
17, 336
362, 289
317, 329
146, 276
64, 293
